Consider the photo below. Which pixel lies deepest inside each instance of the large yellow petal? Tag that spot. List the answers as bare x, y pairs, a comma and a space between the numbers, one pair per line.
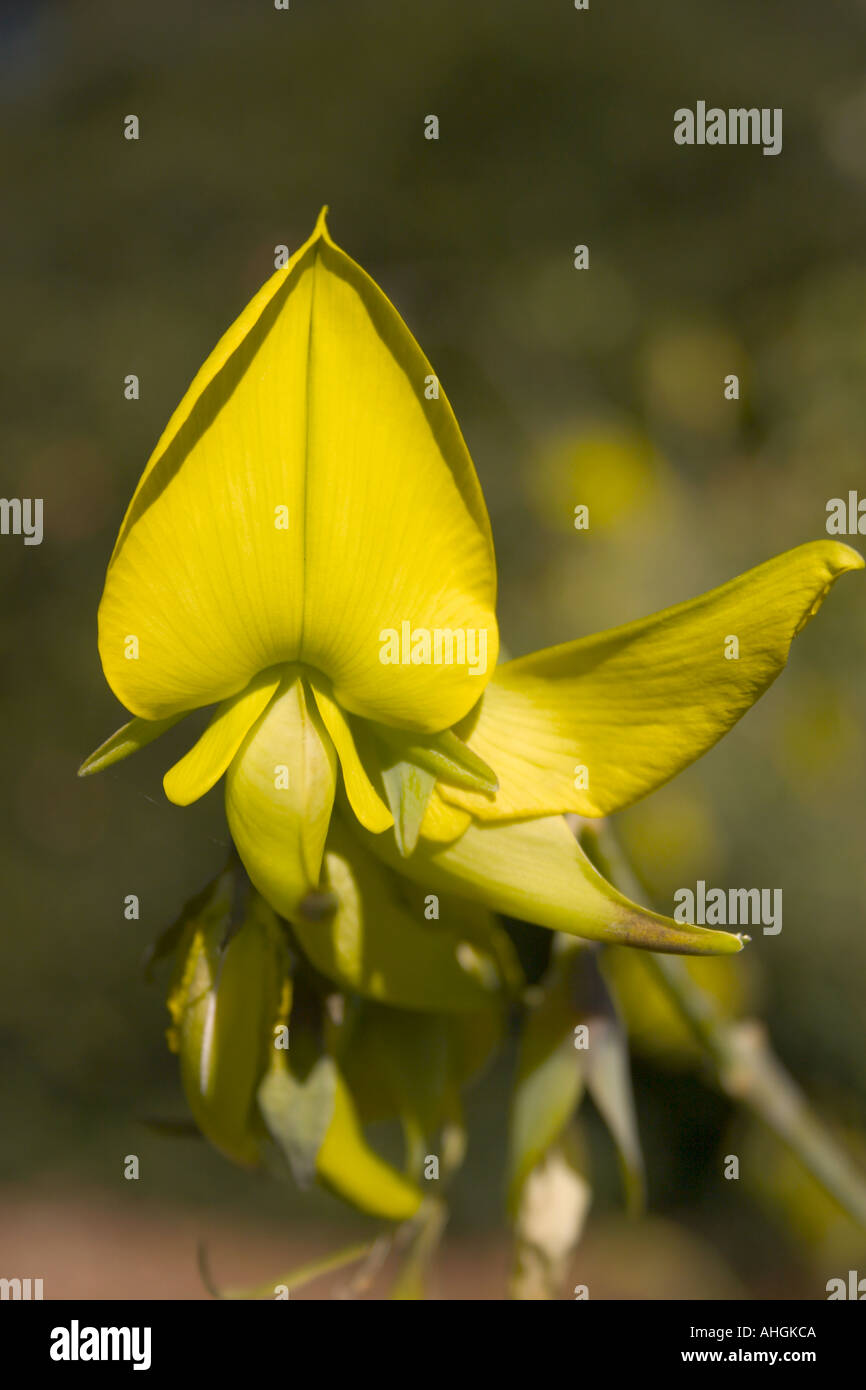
279, 795
536, 870
593, 725
305, 500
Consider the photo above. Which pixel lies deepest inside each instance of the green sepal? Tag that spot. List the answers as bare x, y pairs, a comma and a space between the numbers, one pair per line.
298, 1112
138, 733
445, 755
408, 789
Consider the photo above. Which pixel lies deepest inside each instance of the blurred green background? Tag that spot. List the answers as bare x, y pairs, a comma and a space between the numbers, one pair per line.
602, 386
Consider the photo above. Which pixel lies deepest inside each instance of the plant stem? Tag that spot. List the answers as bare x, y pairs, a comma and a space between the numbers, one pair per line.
428, 1230
325, 1264
746, 1068
424, 1231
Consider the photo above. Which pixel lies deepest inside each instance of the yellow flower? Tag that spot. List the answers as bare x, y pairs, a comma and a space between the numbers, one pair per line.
308, 549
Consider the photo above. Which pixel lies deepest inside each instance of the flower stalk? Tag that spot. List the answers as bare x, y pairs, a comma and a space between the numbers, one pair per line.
744, 1064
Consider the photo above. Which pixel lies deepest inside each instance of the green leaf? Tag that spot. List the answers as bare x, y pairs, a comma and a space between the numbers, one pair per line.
298, 1113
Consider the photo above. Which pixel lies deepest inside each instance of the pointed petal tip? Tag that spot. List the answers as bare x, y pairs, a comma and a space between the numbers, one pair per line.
129, 738
723, 943
97, 760
321, 227
707, 942
650, 932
